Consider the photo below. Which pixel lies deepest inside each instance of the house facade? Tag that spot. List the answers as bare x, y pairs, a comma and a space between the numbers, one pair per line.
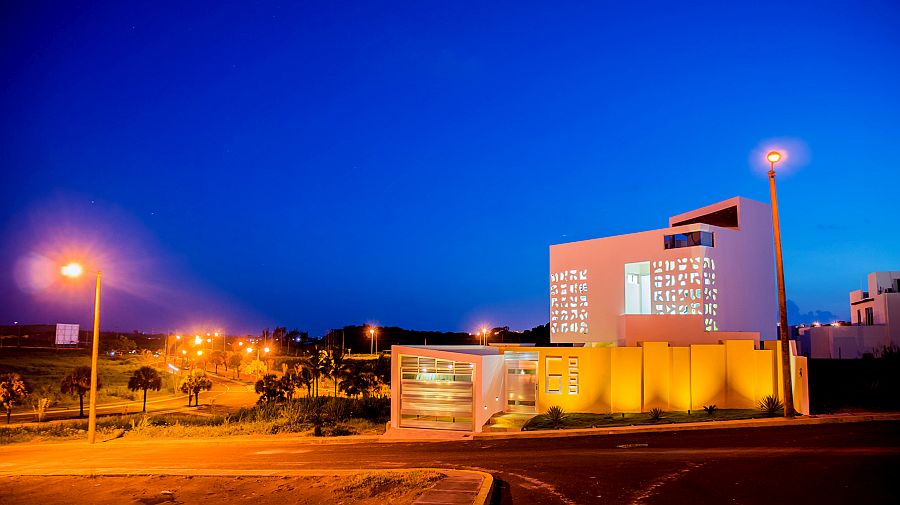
708, 276
669, 318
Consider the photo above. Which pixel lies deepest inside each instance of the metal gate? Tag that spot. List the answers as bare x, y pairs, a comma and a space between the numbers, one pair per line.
436, 394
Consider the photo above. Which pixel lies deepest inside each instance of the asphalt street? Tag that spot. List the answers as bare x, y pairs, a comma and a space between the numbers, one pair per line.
823, 464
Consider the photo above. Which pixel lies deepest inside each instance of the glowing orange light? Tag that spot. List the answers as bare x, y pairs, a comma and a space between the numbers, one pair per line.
774, 157
183, 351
216, 334
240, 343
249, 350
177, 337
72, 270
266, 349
199, 353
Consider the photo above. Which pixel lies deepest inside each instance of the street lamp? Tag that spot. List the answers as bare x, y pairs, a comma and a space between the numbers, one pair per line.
373, 348
774, 157
484, 336
73, 270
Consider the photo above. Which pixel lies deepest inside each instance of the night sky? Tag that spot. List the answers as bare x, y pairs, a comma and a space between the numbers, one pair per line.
312, 164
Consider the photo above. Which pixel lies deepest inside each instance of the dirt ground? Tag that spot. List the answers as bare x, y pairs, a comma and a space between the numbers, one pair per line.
370, 489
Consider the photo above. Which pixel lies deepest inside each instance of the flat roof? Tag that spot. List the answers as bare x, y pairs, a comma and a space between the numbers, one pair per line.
478, 350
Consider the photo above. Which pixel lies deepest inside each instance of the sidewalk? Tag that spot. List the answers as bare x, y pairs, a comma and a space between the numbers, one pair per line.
707, 425
460, 487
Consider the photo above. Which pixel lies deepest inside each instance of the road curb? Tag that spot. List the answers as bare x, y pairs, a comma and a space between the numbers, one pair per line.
667, 428
482, 494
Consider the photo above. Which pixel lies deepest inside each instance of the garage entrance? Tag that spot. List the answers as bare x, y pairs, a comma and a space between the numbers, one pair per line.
436, 394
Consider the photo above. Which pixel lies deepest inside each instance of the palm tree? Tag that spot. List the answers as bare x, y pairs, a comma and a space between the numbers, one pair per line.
145, 378
13, 390
78, 383
315, 362
195, 382
336, 367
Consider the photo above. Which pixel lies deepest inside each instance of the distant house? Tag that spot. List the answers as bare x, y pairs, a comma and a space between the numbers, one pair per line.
874, 323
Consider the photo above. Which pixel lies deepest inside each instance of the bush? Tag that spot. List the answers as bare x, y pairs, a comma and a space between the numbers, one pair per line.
710, 409
556, 416
770, 405
656, 414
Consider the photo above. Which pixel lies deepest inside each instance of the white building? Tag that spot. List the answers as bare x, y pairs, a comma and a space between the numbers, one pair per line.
875, 323
708, 276
668, 318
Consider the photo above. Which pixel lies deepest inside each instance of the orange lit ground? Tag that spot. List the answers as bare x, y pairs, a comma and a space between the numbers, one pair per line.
153, 490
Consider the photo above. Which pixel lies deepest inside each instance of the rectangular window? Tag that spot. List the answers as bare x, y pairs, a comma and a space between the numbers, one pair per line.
690, 239
870, 317
637, 287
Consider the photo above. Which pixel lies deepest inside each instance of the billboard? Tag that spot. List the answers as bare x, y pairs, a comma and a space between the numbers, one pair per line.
66, 334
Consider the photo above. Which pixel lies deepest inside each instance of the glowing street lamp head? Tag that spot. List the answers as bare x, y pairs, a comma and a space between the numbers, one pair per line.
177, 337
249, 350
72, 270
240, 343
199, 353
216, 334
773, 157
371, 332
266, 349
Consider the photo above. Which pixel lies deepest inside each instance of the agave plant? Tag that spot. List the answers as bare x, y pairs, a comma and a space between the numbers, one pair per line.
555, 416
710, 409
656, 414
770, 405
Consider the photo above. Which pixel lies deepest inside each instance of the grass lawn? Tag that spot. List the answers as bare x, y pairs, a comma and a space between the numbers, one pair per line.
336, 417
584, 420
41, 367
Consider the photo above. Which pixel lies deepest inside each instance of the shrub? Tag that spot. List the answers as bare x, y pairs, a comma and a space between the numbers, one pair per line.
770, 405
556, 416
656, 414
710, 409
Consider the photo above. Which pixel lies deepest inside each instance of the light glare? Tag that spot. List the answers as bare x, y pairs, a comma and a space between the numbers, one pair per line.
72, 270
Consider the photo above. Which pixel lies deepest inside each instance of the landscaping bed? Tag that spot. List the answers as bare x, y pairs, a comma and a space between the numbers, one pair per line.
587, 420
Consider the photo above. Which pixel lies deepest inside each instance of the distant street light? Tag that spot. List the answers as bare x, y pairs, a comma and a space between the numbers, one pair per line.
73, 270
773, 158
373, 347
484, 336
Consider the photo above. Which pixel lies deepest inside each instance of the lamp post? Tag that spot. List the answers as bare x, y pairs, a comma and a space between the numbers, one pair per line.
372, 347
74, 270
484, 336
773, 158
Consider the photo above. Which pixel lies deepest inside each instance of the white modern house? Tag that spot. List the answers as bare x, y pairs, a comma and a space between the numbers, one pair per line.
669, 318
708, 276
875, 323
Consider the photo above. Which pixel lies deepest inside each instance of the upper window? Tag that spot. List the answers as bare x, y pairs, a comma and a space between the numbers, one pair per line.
690, 239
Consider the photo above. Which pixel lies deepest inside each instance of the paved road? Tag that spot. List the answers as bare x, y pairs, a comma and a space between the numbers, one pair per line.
837, 463
226, 392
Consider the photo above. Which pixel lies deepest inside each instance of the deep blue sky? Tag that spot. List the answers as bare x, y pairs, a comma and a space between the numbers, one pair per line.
316, 164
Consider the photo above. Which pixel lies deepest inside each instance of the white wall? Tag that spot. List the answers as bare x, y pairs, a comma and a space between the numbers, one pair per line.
744, 265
